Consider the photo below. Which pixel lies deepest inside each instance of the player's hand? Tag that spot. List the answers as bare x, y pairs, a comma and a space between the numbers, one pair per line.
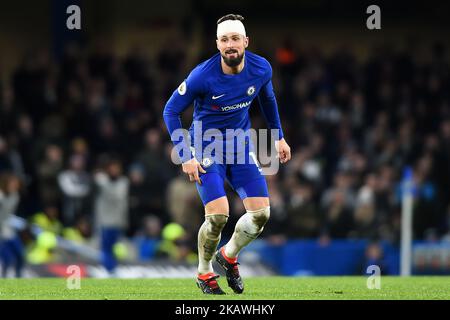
283, 149
191, 168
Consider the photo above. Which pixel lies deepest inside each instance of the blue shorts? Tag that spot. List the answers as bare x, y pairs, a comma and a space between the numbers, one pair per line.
245, 179
239, 168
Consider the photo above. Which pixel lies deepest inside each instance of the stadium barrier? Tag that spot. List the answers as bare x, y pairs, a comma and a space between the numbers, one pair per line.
291, 258
338, 257
348, 257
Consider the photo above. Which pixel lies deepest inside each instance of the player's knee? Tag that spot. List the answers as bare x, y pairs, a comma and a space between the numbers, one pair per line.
217, 207
260, 216
216, 222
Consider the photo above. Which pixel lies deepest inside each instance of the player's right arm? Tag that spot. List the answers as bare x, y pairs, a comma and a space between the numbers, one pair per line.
180, 100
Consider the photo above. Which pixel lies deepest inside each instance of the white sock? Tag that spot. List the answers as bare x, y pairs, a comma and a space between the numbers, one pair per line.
247, 229
208, 239
204, 266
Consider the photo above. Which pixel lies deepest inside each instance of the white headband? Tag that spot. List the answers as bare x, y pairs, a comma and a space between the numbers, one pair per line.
230, 26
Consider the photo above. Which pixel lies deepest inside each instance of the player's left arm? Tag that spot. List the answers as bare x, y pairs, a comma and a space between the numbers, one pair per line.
269, 107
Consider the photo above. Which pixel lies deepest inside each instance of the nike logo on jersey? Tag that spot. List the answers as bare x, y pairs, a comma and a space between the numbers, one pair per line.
217, 97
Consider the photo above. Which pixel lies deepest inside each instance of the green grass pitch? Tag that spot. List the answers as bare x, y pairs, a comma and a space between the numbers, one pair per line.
264, 288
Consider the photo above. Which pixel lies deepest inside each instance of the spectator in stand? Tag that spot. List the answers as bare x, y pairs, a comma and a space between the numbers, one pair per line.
75, 184
48, 170
304, 219
11, 246
338, 221
184, 204
111, 209
148, 237
365, 214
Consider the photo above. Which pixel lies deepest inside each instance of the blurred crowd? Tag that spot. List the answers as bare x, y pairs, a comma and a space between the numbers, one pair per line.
356, 127
84, 150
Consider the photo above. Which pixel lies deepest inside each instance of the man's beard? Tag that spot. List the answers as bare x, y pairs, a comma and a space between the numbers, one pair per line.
232, 62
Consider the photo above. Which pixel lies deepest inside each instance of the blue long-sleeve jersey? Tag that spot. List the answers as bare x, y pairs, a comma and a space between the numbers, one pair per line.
222, 101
